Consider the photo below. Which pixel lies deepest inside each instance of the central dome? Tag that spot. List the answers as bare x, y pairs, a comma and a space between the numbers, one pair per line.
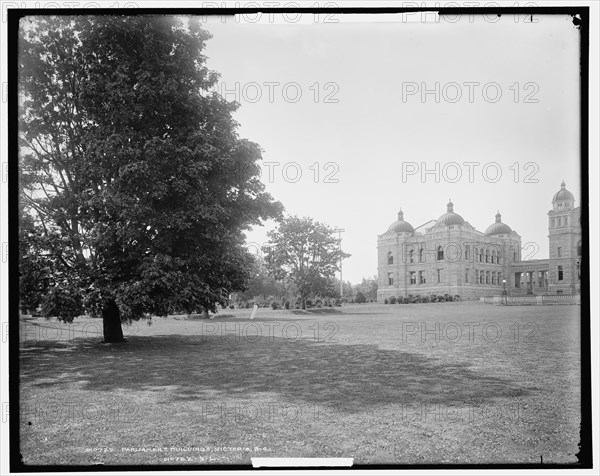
451, 218
400, 226
498, 228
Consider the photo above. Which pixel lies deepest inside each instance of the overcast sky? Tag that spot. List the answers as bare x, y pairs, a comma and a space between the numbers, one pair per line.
362, 119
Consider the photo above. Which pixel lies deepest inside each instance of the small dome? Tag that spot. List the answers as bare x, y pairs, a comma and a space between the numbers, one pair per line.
400, 225
563, 194
498, 228
451, 218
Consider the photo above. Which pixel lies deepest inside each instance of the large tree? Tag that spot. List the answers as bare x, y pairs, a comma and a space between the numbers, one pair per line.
132, 171
305, 252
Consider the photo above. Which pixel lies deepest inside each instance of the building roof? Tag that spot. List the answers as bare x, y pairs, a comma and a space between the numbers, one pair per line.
498, 228
400, 225
451, 218
563, 194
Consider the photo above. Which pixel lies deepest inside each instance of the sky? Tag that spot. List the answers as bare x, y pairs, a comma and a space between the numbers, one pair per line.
342, 105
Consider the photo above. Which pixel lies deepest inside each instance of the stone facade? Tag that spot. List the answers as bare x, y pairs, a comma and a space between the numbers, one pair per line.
449, 256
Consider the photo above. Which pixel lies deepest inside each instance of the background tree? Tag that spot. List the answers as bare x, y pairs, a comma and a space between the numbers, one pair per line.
304, 252
368, 287
132, 170
261, 283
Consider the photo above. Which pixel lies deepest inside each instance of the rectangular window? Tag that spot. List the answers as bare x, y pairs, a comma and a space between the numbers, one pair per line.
420, 255
467, 275
413, 277
559, 251
566, 221
439, 275
559, 221
493, 277
481, 277
440, 253
467, 253
421, 277
391, 279
560, 273
559, 291
487, 277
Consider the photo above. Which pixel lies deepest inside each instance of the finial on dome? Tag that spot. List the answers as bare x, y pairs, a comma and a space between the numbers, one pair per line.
450, 206
401, 215
498, 217
563, 185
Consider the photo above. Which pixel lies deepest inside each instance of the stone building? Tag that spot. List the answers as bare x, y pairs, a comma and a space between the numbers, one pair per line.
449, 256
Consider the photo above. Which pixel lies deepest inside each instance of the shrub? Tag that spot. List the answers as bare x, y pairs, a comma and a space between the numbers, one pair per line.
309, 303
360, 297
286, 304
231, 306
385, 301
457, 297
318, 303
338, 302
441, 298
393, 300
274, 305
425, 299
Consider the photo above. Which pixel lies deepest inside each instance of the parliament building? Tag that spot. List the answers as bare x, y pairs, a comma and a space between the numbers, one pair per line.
449, 256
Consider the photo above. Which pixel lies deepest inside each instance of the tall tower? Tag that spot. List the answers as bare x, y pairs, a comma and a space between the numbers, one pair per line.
564, 234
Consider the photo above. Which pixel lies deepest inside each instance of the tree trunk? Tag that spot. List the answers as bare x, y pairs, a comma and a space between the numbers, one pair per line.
111, 320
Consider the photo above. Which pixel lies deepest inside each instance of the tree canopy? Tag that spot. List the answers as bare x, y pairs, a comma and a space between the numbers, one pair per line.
305, 252
135, 188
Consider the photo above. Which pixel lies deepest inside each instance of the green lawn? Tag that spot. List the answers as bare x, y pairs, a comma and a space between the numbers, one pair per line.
381, 384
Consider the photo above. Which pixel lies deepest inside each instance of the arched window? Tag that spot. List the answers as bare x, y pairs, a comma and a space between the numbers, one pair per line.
498, 257
487, 256
579, 248
420, 255
493, 277
390, 257
440, 253
390, 279
566, 221
411, 256
559, 221
487, 277
475, 254
481, 255
467, 252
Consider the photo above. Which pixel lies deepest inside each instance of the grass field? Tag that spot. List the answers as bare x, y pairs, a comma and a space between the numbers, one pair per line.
401, 384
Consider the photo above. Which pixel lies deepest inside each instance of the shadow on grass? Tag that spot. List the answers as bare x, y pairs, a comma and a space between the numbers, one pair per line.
316, 311
349, 377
